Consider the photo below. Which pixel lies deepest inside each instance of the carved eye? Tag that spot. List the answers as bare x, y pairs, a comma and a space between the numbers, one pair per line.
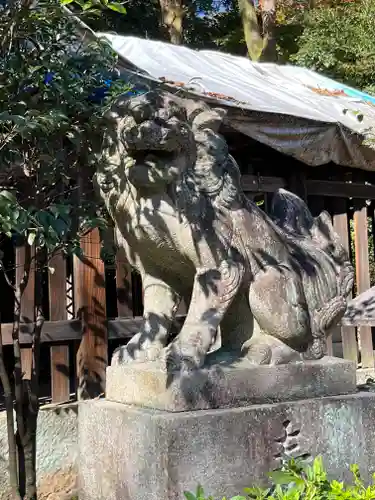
141, 112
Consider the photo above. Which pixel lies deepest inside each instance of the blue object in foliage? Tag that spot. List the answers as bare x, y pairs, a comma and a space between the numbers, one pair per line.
48, 77
97, 96
101, 92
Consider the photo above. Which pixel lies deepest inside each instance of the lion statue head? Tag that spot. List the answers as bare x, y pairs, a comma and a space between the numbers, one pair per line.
160, 142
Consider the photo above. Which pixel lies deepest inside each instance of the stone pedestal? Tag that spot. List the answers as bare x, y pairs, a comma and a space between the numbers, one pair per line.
130, 452
228, 384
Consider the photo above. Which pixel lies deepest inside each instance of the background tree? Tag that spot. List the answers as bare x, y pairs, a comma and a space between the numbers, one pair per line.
173, 13
338, 40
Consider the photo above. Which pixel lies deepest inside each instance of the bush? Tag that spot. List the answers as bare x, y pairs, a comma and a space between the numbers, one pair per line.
297, 481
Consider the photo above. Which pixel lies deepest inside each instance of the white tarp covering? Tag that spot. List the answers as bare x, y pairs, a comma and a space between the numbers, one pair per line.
281, 106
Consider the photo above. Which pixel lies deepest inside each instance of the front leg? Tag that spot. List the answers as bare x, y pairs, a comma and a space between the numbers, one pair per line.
160, 306
213, 292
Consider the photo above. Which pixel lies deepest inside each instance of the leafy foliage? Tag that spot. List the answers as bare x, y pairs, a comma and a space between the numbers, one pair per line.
55, 86
297, 481
338, 40
52, 85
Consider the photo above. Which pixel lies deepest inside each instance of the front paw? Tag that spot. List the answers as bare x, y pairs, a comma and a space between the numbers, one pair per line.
132, 353
121, 356
176, 358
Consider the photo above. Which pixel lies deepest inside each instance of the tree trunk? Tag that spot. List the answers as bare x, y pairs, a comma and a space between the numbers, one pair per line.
253, 37
260, 40
268, 9
33, 388
26, 391
8, 397
173, 13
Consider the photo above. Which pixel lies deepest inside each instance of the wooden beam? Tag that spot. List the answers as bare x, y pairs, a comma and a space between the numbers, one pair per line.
340, 189
260, 184
314, 187
55, 332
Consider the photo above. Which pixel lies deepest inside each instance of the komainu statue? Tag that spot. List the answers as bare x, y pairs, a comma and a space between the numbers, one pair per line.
273, 285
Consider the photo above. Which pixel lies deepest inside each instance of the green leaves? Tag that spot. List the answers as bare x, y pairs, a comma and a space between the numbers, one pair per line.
50, 126
7, 196
96, 5
285, 477
339, 41
117, 7
297, 481
199, 495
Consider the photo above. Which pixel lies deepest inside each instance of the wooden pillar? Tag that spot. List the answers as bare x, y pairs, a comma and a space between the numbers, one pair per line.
297, 184
90, 307
124, 286
341, 226
362, 267
60, 383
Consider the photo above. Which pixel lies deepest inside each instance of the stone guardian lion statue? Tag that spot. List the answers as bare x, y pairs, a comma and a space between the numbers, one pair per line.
275, 284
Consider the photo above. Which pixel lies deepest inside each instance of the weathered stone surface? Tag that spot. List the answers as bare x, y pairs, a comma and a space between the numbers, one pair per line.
275, 284
228, 384
363, 374
129, 453
57, 453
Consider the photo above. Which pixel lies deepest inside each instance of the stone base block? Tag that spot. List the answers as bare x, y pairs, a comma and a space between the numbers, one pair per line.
129, 453
228, 384
56, 457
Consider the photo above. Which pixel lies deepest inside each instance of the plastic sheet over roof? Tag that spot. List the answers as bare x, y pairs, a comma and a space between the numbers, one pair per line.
292, 109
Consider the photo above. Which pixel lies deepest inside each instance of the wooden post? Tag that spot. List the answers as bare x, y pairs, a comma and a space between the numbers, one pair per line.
363, 278
123, 286
297, 184
60, 383
341, 226
316, 206
90, 307
27, 304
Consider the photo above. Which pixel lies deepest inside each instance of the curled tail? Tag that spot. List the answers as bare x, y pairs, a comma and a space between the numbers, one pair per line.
293, 216
330, 285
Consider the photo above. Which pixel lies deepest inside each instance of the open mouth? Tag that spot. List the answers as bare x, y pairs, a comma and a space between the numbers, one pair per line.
152, 155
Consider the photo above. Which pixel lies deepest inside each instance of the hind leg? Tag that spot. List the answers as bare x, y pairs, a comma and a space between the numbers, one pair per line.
237, 326
241, 335
278, 303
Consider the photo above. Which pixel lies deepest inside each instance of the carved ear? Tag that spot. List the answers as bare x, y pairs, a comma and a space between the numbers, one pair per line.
324, 227
210, 118
291, 213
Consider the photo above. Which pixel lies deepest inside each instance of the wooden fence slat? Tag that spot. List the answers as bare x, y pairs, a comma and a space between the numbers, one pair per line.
27, 305
340, 224
60, 383
363, 279
90, 306
123, 286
